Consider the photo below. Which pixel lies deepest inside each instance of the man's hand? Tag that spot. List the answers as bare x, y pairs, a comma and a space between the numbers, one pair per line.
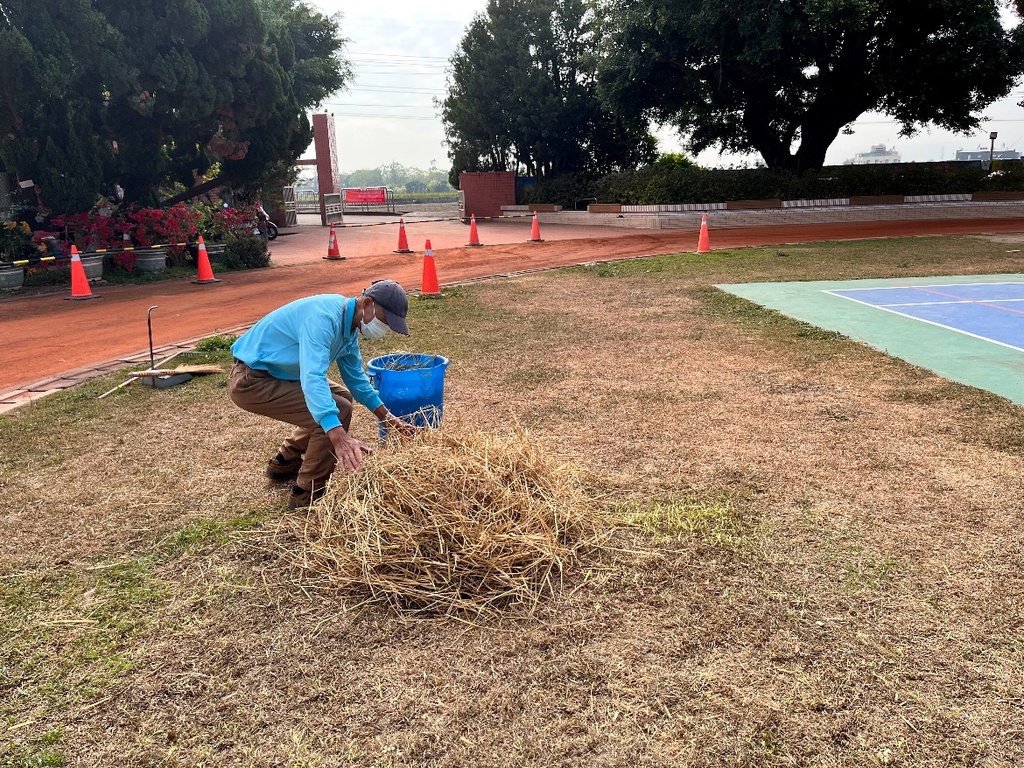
350, 452
389, 420
404, 428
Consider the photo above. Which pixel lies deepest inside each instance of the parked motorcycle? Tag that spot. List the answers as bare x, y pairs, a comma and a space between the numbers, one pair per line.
265, 225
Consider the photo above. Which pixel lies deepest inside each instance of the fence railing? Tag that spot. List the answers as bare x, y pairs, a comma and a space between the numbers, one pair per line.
307, 201
352, 201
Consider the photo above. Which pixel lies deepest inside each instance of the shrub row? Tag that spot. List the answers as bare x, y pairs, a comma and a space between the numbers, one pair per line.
666, 184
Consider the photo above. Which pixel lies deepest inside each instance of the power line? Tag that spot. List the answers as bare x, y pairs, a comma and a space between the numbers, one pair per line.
382, 117
377, 22
401, 56
400, 73
394, 89
389, 106
418, 64
402, 65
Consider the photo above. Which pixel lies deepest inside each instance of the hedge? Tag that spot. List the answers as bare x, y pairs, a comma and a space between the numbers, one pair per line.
673, 184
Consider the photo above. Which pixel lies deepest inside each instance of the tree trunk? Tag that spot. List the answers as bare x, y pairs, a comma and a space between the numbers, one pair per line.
825, 117
813, 146
188, 194
766, 141
817, 132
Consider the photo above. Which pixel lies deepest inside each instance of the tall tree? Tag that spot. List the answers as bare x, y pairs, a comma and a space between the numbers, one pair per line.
784, 78
309, 48
51, 54
522, 95
156, 91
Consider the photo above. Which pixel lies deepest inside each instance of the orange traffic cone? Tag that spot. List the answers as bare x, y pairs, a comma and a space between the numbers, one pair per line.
474, 237
333, 252
535, 232
79, 282
205, 270
703, 242
403, 241
429, 286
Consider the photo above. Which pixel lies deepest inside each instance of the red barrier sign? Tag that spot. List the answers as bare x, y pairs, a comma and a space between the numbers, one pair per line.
366, 196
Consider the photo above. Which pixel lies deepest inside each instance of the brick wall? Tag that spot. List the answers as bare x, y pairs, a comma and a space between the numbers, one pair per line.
485, 193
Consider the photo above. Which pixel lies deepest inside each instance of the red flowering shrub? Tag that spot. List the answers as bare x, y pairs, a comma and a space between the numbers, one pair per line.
146, 227
157, 226
126, 260
216, 223
90, 232
138, 227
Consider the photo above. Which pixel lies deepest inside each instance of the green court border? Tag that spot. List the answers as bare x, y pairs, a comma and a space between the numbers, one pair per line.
952, 355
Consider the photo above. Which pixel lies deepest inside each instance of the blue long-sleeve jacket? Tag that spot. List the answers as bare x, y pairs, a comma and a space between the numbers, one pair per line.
299, 341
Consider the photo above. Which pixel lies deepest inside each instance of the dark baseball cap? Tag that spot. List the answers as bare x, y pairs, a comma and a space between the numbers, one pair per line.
391, 297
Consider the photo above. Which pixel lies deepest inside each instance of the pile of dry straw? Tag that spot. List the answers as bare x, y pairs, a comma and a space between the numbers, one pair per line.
449, 523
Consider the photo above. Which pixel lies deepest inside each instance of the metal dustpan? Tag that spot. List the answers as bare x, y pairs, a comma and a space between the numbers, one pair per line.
165, 381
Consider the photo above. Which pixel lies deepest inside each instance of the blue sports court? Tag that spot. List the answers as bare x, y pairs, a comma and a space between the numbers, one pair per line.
969, 329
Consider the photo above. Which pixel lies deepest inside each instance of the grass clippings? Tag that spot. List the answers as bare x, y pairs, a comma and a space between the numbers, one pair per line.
406, 361
714, 521
453, 522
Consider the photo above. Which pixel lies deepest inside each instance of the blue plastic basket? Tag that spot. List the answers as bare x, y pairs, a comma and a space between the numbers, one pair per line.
411, 386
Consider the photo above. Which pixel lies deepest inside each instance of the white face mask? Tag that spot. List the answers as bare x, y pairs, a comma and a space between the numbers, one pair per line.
375, 329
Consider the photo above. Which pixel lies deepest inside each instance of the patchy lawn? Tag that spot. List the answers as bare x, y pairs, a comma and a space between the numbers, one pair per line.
818, 559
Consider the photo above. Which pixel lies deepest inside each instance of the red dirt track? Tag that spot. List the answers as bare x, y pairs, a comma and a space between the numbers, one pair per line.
46, 335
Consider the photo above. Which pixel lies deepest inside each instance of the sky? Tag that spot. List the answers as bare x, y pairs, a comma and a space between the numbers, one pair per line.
399, 55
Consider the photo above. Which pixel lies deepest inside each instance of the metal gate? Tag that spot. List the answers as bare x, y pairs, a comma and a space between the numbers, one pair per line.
291, 208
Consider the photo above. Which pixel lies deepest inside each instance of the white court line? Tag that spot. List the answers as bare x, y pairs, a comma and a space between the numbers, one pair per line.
931, 303
930, 285
921, 320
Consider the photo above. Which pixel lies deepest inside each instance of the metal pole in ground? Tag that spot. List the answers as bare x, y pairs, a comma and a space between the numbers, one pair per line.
149, 322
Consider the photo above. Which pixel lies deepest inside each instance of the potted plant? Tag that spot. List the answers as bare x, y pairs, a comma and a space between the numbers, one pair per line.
156, 233
89, 233
11, 277
216, 224
16, 248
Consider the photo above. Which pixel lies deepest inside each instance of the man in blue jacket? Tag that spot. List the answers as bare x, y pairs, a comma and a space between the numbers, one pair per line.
281, 371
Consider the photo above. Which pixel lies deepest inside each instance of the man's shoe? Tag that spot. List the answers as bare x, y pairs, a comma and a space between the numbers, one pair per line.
282, 470
300, 498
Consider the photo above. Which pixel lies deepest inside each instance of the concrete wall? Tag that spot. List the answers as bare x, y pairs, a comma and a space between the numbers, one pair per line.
650, 218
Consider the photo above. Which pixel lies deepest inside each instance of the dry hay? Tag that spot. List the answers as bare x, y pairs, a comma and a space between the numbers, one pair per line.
449, 523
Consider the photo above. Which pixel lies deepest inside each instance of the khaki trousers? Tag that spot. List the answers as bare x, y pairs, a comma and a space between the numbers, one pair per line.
259, 392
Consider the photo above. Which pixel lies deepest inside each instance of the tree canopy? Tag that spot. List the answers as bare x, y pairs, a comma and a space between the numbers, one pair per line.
157, 91
522, 95
768, 76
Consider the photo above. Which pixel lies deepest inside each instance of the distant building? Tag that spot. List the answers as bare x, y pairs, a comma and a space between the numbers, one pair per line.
982, 154
879, 155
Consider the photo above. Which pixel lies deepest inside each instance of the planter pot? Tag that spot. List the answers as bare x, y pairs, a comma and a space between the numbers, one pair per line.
154, 260
213, 250
216, 250
11, 278
93, 266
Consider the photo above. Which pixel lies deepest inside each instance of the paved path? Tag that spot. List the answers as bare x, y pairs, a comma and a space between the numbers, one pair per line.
48, 344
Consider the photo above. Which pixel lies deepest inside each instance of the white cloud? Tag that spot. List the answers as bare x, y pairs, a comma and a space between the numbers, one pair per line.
399, 52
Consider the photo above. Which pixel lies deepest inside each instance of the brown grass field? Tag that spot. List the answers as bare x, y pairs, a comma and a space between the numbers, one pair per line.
816, 555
